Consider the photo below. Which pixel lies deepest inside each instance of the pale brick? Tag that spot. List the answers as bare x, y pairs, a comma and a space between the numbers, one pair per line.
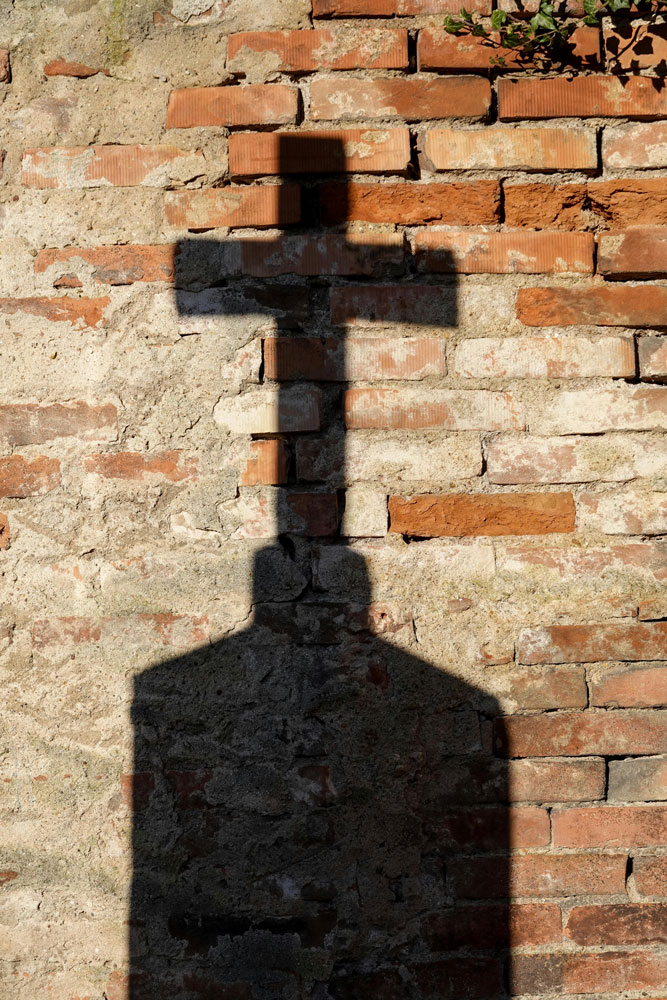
580, 459
635, 146
513, 149
639, 780
653, 358
545, 357
631, 512
521, 252
365, 514
412, 409
119, 166
269, 411
591, 411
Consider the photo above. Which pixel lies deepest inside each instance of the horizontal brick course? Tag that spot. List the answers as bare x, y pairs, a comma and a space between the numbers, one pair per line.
319, 48
582, 734
630, 687
650, 876
576, 974
333, 359
506, 514
545, 357
230, 107
622, 407
578, 459
612, 827
115, 265
510, 149
234, 205
465, 203
544, 875
591, 643
505, 253
633, 253
31, 423
581, 97
21, 477
390, 8
630, 305
439, 50
59, 309
635, 146
322, 152
412, 409
638, 780
119, 166
409, 99
164, 466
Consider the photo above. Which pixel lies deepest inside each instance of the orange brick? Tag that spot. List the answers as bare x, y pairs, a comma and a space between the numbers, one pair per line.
581, 97
115, 265
100, 166
233, 106
267, 464
636, 46
591, 643
79, 312
320, 48
629, 305
479, 514
333, 359
617, 923
493, 926
545, 206
437, 49
162, 466
543, 875
338, 151
20, 477
577, 734
633, 253
635, 146
650, 876
510, 149
390, 8
456, 203
410, 99
235, 205
505, 253
411, 409
610, 826
630, 202
61, 67
635, 687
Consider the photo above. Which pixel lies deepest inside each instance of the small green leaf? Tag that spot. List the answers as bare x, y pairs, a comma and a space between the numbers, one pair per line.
498, 19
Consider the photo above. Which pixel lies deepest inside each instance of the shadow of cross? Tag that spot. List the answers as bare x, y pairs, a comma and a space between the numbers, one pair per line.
324, 817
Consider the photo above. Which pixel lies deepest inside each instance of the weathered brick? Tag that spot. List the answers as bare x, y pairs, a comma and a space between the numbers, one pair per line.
263, 513
62, 309
64, 67
493, 828
653, 609
335, 359
628, 201
365, 514
437, 49
610, 826
638, 780
5, 68
617, 923
545, 206
392, 305
622, 305
5, 534
319, 48
412, 409
162, 466
100, 166
581, 97
410, 204
634, 687
623, 407
635, 146
634, 46
612, 458
322, 152
633, 253
389, 8
545, 357
233, 106
114, 265
267, 464
171, 630
539, 689
592, 643
557, 780
29, 423
353, 254
551, 564
480, 514
507, 149
577, 734
493, 926
567, 973
505, 253
631, 512
20, 477
233, 206
411, 99
479, 976
650, 876
653, 357
541, 875
270, 411
390, 460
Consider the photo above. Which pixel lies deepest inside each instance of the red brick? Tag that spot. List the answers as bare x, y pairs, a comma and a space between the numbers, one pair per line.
322, 152
389, 8
493, 828
620, 305
335, 359
633, 253
412, 409
539, 875
437, 49
611, 826
233, 106
29, 423
629, 202
78, 312
546, 689
638, 687
20, 477
267, 464
319, 48
591, 643
393, 304
557, 780
617, 923
457, 203
653, 357
234, 205
635, 46
332, 254
115, 265
510, 148
101, 166
577, 734
545, 357
493, 926
5, 68
650, 876
5, 534
635, 146
546, 206
505, 253
62, 67
411, 99
641, 779
161, 466
479, 514
581, 97
584, 459
567, 973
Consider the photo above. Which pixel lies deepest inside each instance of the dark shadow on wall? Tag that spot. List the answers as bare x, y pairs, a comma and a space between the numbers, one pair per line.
311, 798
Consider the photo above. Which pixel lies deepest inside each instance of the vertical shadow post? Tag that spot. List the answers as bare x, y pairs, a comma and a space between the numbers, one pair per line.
319, 795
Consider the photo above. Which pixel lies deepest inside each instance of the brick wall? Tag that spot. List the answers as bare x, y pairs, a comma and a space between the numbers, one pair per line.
333, 482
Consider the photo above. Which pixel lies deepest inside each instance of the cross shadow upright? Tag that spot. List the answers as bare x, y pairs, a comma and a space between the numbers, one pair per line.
310, 796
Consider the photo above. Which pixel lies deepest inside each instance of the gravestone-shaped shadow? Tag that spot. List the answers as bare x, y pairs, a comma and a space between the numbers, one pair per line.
310, 796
